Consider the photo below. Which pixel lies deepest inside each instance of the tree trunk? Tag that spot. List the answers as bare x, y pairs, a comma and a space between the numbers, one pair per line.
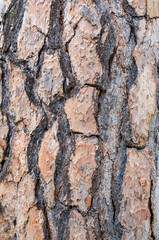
79, 120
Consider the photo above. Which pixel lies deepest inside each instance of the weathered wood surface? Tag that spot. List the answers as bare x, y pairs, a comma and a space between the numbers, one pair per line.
79, 119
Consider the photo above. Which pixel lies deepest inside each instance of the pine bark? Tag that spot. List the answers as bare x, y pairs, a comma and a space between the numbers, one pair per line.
79, 119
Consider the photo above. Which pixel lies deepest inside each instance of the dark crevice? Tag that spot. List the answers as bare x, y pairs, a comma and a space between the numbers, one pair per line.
66, 68
132, 32
111, 61
74, 33
156, 141
61, 180
139, 148
130, 15
63, 229
126, 122
106, 50
118, 169
117, 181
6, 161
15, 222
65, 86
151, 211
34, 144
5, 111
56, 105
129, 10
107, 53
96, 179
29, 86
132, 73
65, 63
86, 136
97, 2
96, 85
40, 59
55, 42
61, 175
13, 238
97, 108
95, 207
38, 189
46, 226
73, 207
5, 90
97, 202
106, 103
4, 169
41, 204
56, 24
21, 63
12, 24
60, 215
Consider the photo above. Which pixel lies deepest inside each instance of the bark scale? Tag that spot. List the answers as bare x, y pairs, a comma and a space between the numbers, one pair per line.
79, 119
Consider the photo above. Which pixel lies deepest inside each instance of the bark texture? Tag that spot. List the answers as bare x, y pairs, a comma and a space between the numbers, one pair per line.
79, 119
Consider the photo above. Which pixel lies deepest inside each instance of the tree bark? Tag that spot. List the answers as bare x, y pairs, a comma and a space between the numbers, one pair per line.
79, 120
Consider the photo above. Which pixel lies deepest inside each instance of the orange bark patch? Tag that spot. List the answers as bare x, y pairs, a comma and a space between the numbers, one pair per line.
80, 111
135, 215
81, 171
34, 228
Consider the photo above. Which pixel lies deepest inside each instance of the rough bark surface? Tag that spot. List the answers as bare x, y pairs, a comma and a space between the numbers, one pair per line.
79, 119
